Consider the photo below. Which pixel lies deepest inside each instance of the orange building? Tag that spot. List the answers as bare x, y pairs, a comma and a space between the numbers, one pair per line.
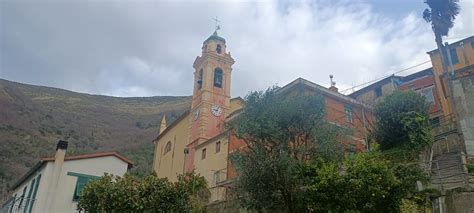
343, 111
422, 82
459, 57
449, 91
456, 89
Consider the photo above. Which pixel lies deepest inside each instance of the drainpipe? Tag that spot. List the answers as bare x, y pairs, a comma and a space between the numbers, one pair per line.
365, 128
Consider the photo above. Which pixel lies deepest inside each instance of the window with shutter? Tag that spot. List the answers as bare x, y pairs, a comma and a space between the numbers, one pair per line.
218, 146
33, 198
20, 205
378, 91
82, 180
30, 192
348, 113
454, 56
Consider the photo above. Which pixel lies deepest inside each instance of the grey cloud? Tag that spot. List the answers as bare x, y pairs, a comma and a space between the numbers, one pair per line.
145, 48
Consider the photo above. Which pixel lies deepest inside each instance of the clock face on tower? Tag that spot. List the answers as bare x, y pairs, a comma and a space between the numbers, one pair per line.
216, 110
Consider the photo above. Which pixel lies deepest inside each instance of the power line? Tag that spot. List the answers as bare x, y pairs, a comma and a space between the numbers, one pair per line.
368, 82
457, 37
365, 83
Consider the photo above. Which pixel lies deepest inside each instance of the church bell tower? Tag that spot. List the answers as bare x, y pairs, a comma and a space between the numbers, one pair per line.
211, 93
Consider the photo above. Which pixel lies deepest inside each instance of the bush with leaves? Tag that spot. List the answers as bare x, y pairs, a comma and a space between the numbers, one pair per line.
364, 183
149, 194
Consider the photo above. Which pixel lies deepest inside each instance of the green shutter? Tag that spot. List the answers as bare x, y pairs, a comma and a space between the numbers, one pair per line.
33, 197
28, 198
22, 198
82, 180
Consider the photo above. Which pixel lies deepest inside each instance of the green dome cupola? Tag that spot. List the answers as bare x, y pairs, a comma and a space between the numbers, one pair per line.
216, 37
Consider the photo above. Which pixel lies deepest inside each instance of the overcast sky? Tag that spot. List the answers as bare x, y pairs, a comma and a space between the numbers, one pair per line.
146, 48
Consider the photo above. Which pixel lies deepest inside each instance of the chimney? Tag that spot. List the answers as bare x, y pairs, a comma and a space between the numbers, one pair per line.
61, 148
333, 85
58, 163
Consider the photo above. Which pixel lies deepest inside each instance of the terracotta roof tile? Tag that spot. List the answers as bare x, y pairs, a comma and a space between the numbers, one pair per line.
94, 155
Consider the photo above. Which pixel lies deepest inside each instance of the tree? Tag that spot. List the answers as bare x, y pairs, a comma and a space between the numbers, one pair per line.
149, 194
402, 122
441, 14
281, 134
403, 131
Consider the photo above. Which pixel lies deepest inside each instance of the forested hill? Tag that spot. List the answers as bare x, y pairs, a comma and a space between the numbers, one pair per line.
34, 118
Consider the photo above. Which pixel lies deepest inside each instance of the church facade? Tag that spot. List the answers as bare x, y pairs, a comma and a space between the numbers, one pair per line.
198, 140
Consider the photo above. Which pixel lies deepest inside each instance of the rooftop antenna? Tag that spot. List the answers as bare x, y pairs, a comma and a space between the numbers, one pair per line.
332, 82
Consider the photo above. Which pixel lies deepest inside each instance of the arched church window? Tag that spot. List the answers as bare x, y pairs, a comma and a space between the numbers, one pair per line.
199, 79
219, 49
218, 77
167, 147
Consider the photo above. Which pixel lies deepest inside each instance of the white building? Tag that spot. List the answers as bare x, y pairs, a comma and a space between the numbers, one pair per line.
54, 183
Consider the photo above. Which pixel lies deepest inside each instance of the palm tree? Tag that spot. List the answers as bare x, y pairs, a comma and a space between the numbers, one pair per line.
441, 14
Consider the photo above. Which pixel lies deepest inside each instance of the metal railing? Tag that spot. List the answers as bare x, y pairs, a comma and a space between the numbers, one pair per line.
452, 174
14, 205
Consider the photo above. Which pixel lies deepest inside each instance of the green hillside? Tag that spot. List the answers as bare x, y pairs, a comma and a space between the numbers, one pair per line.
34, 118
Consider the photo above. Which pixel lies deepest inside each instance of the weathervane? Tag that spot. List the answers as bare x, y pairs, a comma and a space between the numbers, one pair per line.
218, 27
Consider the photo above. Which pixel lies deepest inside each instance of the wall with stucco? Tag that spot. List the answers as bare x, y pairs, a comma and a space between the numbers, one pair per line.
369, 97
425, 83
63, 197
465, 52
214, 162
459, 202
45, 172
172, 163
463, 97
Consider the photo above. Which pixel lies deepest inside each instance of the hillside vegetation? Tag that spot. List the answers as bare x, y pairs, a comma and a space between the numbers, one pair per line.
34, 118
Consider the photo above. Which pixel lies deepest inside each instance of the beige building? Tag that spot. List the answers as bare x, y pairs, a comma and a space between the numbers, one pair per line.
211, 162
373, 93
54, 184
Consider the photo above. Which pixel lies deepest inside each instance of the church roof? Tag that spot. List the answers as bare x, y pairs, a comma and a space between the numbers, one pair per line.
324, 90
214, 36
169, 128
